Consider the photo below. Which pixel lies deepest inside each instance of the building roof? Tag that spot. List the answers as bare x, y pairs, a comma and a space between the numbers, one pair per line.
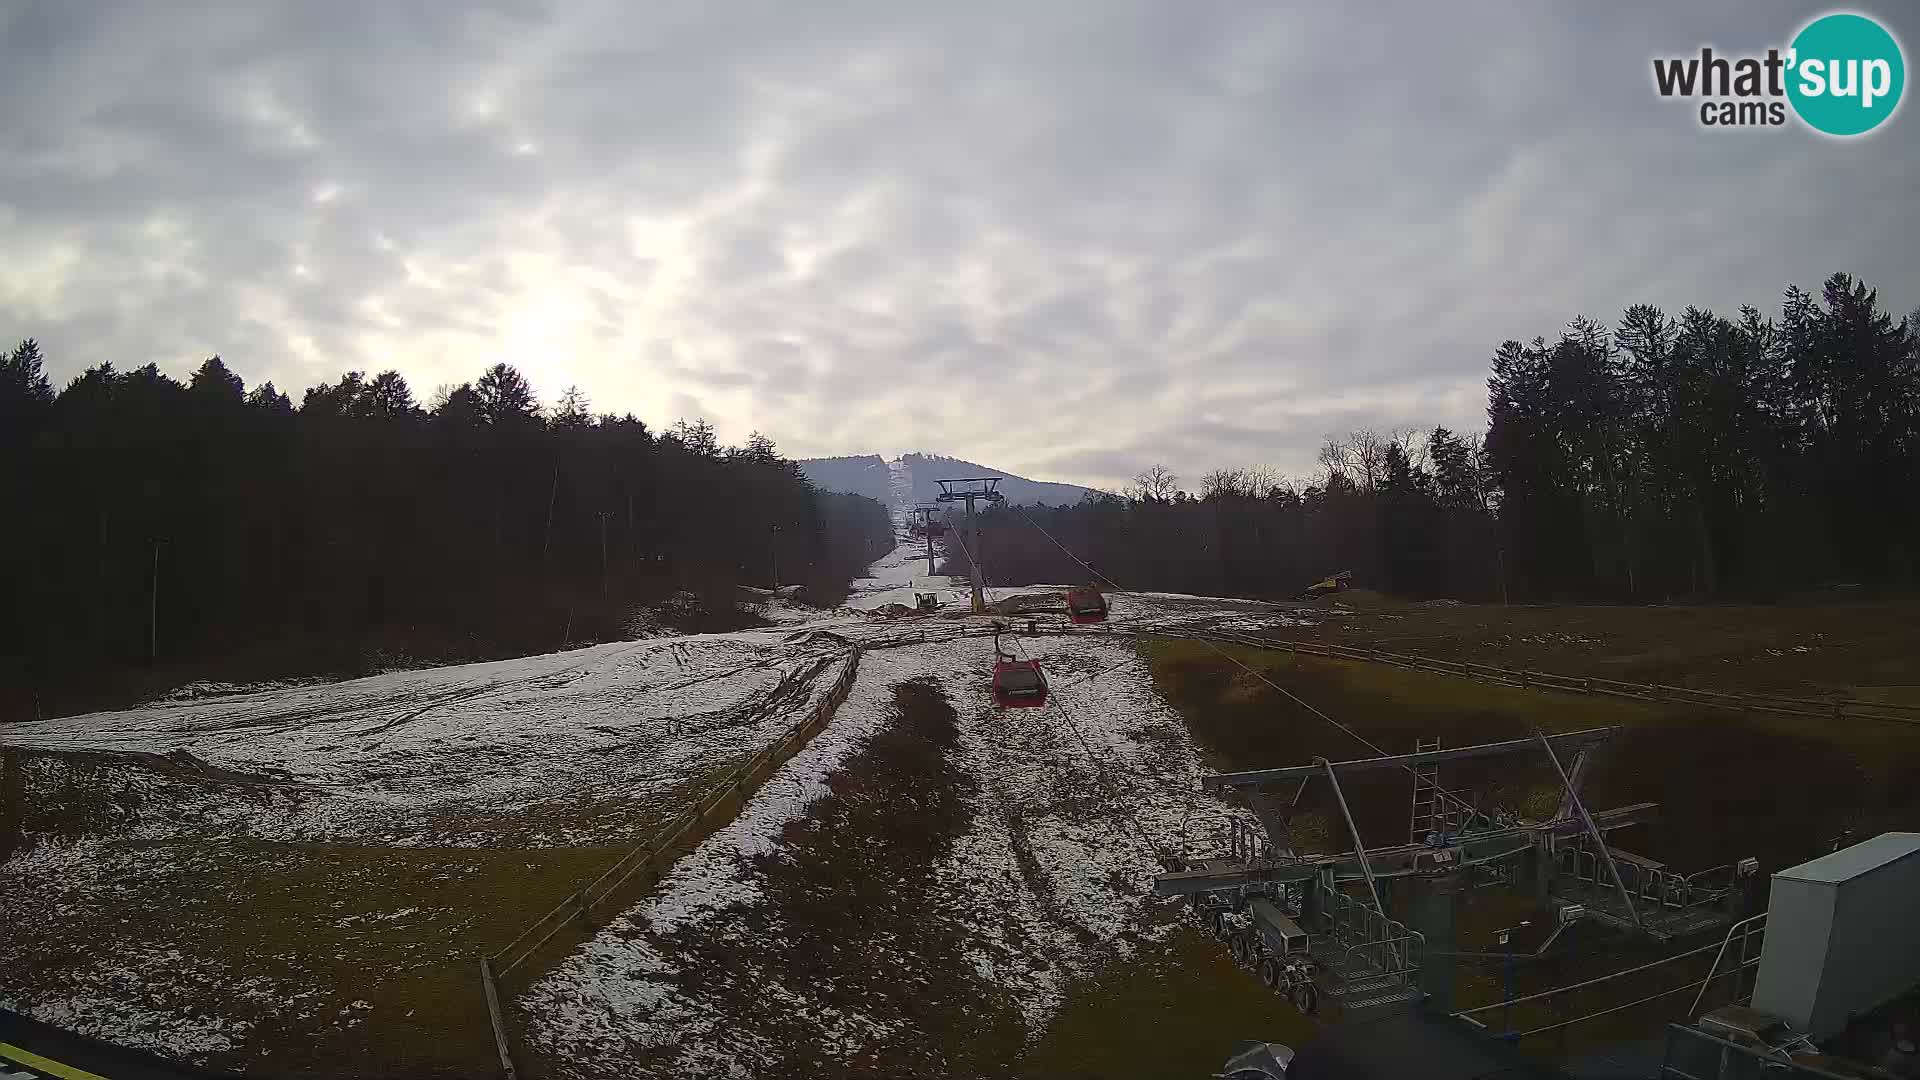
1851, 862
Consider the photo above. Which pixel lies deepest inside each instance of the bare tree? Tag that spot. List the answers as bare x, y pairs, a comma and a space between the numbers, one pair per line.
1333, 458
1367, 456
1158, 484
1412, 443
1225, 482
1284, 488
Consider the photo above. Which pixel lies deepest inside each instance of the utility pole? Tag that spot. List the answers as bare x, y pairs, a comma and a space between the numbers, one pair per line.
606, 590
546, 535
776, 557
153, 606
976, 489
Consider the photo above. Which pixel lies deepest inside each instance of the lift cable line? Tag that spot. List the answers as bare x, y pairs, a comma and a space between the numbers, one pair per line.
1161, 852
1283, 691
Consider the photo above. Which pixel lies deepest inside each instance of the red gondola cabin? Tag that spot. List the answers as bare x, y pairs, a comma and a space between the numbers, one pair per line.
1019, 684
1086, 605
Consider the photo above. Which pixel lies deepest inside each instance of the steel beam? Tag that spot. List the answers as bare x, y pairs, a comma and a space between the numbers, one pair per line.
1593, 831
1210, 875
1359, 845
1262, 777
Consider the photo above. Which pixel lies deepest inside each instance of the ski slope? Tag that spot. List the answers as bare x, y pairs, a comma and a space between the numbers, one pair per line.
154, 832
398, 755
1048, 882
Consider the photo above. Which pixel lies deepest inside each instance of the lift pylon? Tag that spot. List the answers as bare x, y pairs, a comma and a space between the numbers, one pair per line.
972, 489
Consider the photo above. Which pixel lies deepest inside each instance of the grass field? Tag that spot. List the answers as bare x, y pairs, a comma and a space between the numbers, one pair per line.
328, 958
1778, 788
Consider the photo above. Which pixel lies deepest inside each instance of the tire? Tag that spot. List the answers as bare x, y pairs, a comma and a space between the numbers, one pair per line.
1270, 973
1304, 997
1221, 928
1242, 949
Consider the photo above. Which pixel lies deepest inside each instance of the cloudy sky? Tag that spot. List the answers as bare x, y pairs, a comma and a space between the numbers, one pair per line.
1062, 238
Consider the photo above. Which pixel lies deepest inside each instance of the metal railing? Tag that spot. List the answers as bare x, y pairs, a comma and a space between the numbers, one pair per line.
1741, 933
1559, 991
1692, 1054
1654, 885
1247, 843
1388, 947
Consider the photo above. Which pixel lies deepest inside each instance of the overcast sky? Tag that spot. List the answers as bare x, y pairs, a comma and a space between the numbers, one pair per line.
1065, 239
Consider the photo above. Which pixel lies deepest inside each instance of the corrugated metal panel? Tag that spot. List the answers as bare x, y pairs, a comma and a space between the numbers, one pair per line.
1862, 858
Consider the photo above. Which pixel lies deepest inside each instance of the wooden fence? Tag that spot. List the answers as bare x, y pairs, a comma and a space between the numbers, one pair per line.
655, 855
1836, 708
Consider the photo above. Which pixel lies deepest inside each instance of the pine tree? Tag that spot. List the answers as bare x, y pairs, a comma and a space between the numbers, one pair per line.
506, 398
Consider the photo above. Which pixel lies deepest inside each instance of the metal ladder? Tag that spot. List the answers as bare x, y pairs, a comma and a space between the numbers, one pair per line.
1427, 815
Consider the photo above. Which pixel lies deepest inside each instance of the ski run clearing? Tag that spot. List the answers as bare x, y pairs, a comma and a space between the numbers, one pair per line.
297, 881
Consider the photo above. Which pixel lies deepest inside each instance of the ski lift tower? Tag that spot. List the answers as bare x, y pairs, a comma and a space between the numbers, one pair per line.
926, 531
972, 489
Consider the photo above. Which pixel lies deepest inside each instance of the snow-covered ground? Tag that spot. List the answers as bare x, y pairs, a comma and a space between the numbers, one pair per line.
396, 757
1069, 806
237, 874
580, 751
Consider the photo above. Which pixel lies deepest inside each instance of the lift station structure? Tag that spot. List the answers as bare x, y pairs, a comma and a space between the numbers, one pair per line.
1315, 925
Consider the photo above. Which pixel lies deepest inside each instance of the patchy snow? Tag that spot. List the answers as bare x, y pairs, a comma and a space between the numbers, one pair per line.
207, 688
615, 988
1177, 611
1049, 877
148, 995
398, 757
118, 917
1088, 835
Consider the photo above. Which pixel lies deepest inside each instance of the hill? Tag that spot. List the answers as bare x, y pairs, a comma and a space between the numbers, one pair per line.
926, 468
863, 474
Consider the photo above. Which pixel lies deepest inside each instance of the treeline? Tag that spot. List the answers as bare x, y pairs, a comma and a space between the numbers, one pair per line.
153, 521
1697, 456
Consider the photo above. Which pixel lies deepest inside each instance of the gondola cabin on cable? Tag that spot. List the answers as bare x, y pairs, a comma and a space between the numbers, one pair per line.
1017, 684
1087, 605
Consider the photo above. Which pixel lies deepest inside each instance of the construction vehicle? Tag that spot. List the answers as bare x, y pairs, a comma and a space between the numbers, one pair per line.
1327, 586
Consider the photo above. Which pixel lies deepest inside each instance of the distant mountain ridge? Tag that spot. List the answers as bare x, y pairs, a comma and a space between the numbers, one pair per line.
1018, 489
867, 474
863, 474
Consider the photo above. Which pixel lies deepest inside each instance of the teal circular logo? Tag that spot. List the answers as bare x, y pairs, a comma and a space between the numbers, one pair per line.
1846, 74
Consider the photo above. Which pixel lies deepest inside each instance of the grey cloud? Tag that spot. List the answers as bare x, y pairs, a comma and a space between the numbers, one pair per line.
1072, 239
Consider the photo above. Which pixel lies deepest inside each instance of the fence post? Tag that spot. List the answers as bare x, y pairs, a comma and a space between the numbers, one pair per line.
493, 1017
